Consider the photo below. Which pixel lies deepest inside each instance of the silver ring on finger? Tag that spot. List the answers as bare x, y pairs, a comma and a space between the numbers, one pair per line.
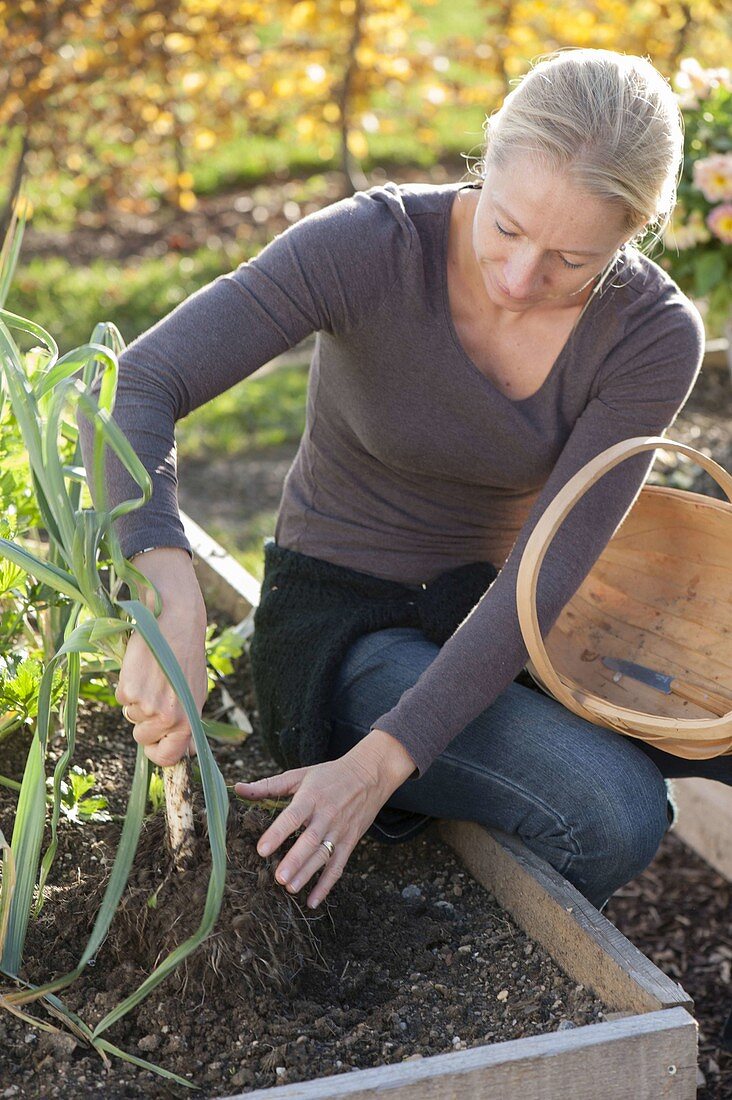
126, 715
329, 847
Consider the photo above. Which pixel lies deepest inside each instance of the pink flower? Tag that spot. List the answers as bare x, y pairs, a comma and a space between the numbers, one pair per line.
713, 177
719, 221
694, 83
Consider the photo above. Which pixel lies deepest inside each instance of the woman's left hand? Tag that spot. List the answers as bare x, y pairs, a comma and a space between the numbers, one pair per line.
336, 801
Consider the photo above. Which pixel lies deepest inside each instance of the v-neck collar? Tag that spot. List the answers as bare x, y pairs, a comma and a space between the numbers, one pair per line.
589, 307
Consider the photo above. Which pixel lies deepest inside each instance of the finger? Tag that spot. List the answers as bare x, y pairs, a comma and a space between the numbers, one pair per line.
133, 714
121, 696
147, 732
302, 875
298, 813
272, 786
330, 875
169, 749
305, 856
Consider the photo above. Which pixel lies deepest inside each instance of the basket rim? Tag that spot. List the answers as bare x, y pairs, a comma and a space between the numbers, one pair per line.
716, 503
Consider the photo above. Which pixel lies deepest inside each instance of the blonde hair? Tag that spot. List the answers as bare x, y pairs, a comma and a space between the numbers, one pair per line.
610, 121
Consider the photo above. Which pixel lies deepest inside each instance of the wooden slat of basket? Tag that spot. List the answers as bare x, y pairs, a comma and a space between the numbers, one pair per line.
651, 571
615, 635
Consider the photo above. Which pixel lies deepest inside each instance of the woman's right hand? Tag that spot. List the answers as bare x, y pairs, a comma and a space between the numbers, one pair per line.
160, 723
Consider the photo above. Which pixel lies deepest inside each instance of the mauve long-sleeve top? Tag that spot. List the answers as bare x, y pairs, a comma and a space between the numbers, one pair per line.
412, 462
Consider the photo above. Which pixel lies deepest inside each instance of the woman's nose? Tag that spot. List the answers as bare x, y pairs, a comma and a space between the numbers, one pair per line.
521, 276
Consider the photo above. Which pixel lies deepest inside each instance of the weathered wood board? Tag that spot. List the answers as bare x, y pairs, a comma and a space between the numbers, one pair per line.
705, 820
647, 1057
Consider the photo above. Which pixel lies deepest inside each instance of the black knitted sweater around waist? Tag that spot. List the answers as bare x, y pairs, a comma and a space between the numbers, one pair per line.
310, 612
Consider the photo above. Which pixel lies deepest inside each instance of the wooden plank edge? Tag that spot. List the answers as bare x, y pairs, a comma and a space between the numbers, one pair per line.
704, 820
656, 1051
555, 914
716, 354
220, 575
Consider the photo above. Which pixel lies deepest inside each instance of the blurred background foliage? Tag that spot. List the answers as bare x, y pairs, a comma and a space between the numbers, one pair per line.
137, 103
164, 142
129, 113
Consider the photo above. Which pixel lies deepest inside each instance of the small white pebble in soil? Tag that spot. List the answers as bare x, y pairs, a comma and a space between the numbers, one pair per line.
411, 893
565, 1025
282, 1070
503, 995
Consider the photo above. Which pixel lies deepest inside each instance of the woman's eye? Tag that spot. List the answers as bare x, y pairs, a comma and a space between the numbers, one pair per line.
505, 233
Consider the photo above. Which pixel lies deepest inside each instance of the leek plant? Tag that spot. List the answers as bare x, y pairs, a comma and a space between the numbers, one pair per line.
84, 571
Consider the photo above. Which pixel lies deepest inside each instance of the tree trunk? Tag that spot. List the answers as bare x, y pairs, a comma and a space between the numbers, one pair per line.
14, 188
353, 178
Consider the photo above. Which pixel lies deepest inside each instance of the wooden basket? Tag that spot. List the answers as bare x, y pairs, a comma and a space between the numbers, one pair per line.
660, 594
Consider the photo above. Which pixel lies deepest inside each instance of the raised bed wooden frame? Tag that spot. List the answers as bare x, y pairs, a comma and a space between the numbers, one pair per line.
648, 1049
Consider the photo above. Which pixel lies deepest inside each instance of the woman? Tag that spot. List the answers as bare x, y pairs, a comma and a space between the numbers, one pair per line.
477, 344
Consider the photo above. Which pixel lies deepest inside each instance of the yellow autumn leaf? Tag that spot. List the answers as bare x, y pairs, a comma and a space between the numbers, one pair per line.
357, 144
192, 82
303, 13
187, 200
305, 126
179, 43
204, 140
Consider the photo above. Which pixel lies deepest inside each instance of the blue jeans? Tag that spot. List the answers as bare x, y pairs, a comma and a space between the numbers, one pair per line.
585, 799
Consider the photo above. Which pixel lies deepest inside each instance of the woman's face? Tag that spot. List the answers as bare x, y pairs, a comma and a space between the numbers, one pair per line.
538, 239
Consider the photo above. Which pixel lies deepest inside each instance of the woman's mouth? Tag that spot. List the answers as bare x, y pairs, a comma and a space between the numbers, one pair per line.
508, 294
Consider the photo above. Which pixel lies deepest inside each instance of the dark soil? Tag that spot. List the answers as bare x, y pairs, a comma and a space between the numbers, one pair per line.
408, 957
678, 914
264, 937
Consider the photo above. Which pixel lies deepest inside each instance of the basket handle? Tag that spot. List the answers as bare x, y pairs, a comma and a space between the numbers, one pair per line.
548, 525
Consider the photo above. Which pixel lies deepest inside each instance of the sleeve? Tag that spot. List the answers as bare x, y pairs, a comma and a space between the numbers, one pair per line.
330, 271
640, 388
